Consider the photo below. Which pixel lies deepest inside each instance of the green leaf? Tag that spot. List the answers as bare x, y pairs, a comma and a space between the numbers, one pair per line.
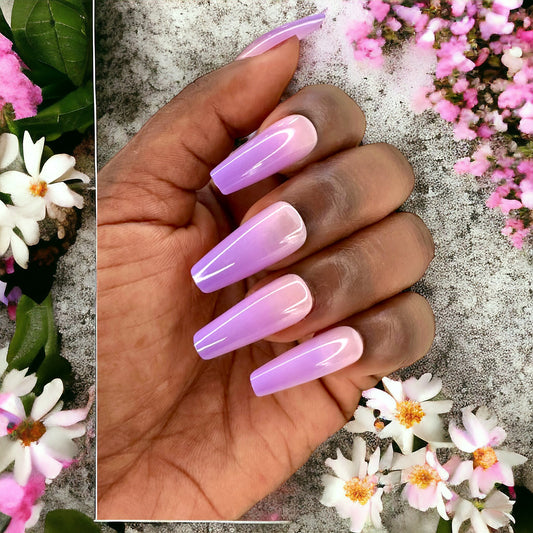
62, 520
54, 33
73, 112
444, 526
35, 343
5, 30
4, 522
30, 335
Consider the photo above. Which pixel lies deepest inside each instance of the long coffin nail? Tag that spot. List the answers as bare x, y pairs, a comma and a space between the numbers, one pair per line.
265, 239
300, 28
326, 353
283, 143
272, 308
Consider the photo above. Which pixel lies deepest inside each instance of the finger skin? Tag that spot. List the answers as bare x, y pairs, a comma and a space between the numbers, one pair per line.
396, 333
192, 133
340, 125
358, 272
342, 194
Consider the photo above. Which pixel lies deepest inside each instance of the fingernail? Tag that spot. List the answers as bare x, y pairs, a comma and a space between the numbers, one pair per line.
265, 239
300, 28
283, 143
272, 308
326, 353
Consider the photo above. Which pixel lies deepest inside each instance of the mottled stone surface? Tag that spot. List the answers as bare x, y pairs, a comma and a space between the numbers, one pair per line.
479, 287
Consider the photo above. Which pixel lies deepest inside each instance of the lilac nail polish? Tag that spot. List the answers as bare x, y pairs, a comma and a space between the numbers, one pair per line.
322, 355
265, 239
300, 28
283, 143
272, 308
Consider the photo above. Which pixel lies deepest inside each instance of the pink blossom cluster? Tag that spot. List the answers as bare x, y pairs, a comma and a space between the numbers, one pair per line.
15, 88
483, 85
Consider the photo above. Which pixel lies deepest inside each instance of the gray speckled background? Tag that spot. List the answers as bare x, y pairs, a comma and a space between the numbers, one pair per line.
479, 287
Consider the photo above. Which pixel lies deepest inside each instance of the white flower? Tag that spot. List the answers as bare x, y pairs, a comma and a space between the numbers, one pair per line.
406, 405
488, 466
42, 187
425, 480
9, 149
41, 441
494, 512
15, 381
356, 489
12, 219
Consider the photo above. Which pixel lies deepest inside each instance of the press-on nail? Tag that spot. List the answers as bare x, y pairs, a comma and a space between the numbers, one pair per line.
300, 28
265, 239
274, 307
280, 145
326, 353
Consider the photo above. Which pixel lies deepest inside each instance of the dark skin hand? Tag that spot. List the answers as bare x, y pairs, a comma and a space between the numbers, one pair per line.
183, 438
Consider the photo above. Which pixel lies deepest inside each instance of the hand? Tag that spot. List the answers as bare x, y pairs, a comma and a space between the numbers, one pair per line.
184, 438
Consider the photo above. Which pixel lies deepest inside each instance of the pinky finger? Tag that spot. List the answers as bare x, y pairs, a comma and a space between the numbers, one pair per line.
356, 353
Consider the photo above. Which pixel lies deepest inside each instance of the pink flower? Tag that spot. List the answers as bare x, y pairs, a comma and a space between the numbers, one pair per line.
425, 480
41, 441
463, 26
394, 24
488, 466
411, 15
370, 50
516, 232
19, 502
495, 24
447, 110
358, 30
379, 9
451, 57
420, 100
15, 87
458, 7
11, 300
407, 405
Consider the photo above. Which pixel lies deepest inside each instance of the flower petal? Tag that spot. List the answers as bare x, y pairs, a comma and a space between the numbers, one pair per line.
395, 388
58, 443
430, 429
22, 468
475, 428
32, 154
34, 517
462, 472
359, 456
376, 506
381, 400
358, 515
363, 421
7, 451
436, 406
462, 511
17, 383
373, 462
29, 229
5, 238
343, 468
423, 388
3, 359
510, 458
9, 149
47, 399
386, 460
20, 251
17, 184
44, 463
11, 404
462, 439
333, 490
477, 523
59, 194
55, 167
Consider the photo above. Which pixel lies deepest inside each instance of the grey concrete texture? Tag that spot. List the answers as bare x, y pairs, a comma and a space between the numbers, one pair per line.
479, 287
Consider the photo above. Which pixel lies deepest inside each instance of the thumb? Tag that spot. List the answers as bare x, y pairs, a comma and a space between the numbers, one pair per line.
155, 176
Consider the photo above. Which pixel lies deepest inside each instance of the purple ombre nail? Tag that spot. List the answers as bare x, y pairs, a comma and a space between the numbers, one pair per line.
280, 145
272, 308
300, 28
322, 355
261, 241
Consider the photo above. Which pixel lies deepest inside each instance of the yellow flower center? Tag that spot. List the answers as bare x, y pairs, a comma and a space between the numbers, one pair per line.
39, 188
424, 476
29, 431
409, 413
379, 424
360, 490
484, 457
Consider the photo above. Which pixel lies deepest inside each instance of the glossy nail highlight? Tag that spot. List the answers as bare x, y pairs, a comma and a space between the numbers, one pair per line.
265, 239
322, 355
280, 145
300, 28
274, 307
